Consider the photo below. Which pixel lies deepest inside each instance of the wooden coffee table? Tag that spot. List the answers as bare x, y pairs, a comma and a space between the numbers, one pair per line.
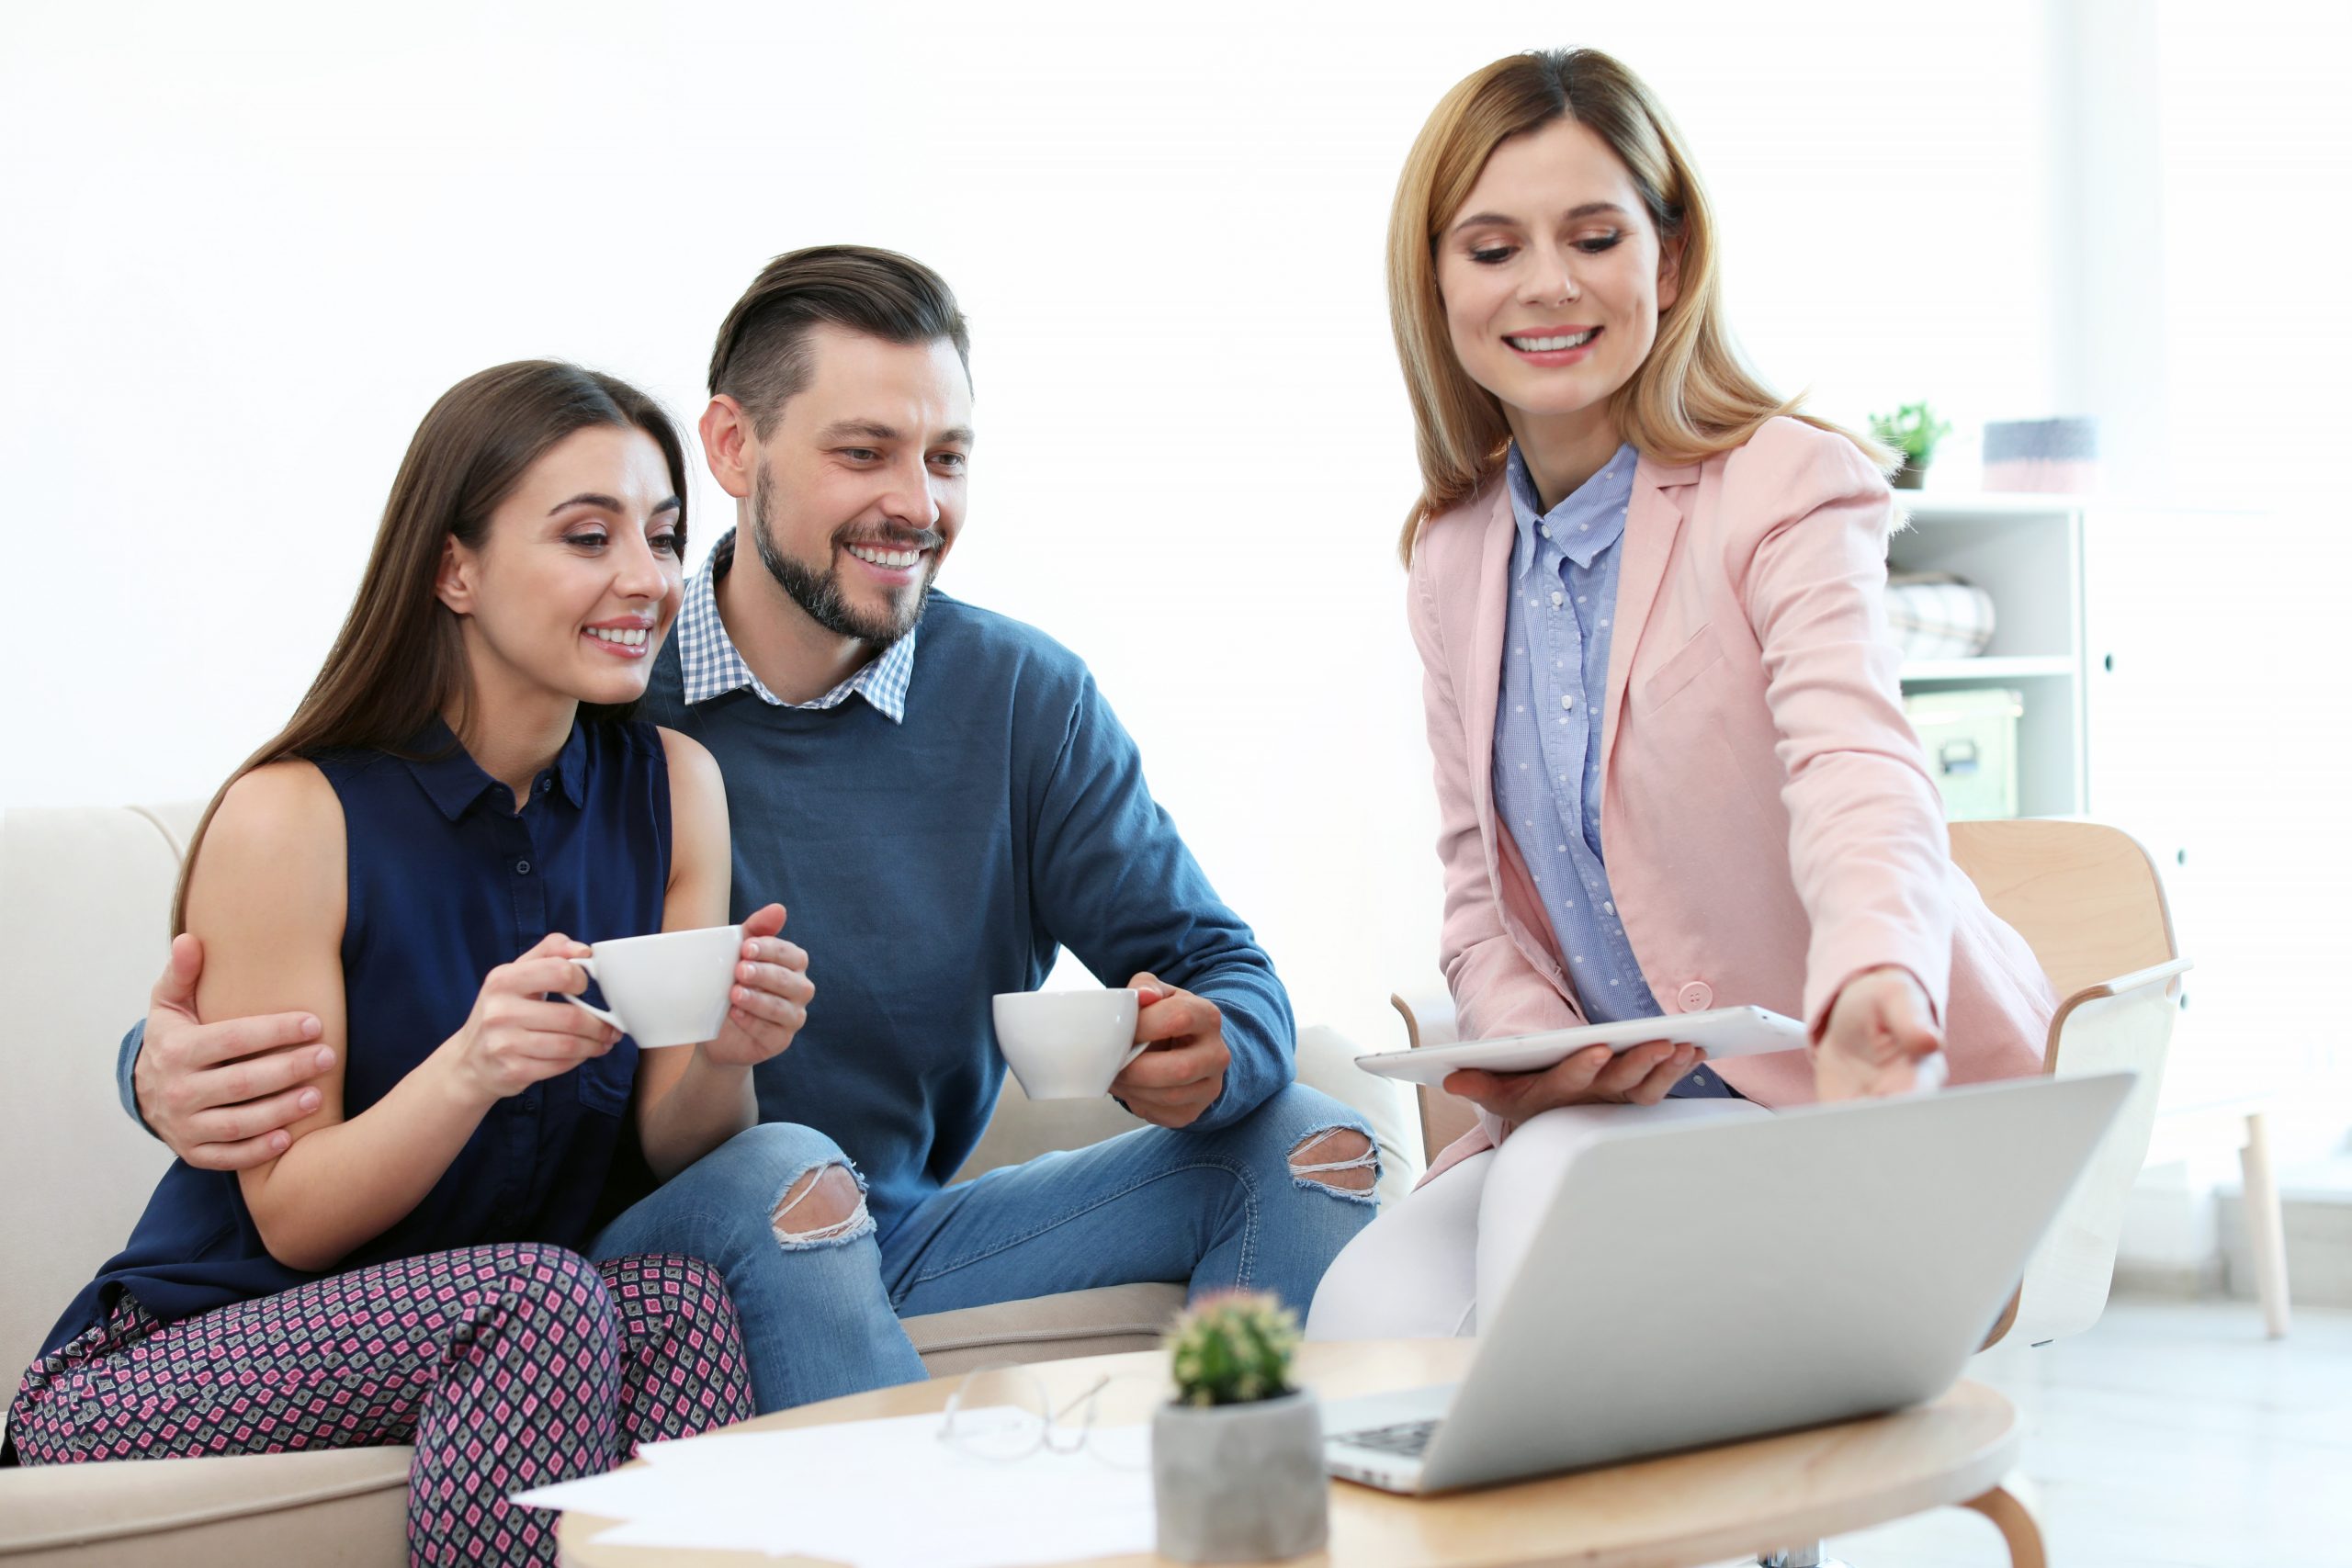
1708, 1506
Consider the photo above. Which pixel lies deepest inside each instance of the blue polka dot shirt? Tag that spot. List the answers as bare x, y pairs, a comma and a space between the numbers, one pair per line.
1547, 731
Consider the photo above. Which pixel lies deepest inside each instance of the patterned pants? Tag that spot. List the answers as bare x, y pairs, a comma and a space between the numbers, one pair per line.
508, 1366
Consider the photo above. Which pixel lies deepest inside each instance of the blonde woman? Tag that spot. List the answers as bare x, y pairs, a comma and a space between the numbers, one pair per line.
1673, 767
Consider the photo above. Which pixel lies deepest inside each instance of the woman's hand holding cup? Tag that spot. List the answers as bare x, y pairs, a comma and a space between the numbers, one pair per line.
515, 1037
769, 999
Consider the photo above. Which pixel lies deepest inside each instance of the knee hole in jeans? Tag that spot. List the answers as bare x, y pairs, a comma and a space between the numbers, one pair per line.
823, 1204
1339, 1158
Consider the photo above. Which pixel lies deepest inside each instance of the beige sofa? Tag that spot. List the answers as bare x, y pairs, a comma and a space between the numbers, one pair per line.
84, 897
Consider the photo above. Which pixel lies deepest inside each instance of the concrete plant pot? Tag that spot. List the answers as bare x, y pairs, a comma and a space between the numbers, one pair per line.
1241, 1483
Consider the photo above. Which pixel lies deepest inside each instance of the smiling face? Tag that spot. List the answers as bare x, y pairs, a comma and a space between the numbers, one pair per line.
576, 580
858, 491
1553, 276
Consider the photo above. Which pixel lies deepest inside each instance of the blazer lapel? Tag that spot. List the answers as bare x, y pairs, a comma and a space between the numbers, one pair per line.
1507, 873
1486, 681
1652, 521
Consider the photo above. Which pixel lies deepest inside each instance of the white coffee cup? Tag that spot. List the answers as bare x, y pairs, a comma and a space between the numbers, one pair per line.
1067, 1044
672, 988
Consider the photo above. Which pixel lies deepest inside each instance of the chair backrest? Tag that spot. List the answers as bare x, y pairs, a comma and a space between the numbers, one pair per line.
2083, 895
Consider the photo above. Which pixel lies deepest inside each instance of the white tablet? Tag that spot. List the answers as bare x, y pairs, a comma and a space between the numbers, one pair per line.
1722, 1031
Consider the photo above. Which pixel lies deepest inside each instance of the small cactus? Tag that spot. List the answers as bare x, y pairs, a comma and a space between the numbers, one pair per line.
1232, 1348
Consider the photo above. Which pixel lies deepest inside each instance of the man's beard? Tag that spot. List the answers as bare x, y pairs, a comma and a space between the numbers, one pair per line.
819, 592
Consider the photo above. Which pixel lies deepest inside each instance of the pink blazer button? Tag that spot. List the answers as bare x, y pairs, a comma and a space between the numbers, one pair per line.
1696, 996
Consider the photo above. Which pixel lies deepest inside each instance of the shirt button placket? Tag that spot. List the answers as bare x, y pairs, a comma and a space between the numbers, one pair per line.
529, 885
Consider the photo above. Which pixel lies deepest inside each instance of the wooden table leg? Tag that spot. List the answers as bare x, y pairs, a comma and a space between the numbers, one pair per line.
2266, 1230
2008, 1515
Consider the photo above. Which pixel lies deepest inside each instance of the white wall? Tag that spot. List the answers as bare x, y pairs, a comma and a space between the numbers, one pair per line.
247, 244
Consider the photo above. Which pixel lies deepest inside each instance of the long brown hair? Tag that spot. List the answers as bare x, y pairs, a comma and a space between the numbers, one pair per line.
399, 660
1690, 399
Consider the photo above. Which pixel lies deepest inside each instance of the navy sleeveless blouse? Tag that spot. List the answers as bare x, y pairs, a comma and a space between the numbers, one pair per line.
447, 880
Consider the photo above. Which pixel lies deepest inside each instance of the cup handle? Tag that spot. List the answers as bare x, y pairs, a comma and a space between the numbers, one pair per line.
1128, 1060
613, 1019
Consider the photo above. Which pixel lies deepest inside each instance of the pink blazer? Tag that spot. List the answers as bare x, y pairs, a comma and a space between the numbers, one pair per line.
1766, 816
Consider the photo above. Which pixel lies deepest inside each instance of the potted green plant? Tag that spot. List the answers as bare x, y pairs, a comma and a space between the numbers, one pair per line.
1236, 1456
1912, 430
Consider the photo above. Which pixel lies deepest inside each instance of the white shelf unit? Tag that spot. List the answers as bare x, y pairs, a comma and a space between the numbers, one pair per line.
2027, 552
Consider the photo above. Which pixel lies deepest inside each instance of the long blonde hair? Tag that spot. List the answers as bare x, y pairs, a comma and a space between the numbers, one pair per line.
1690, 399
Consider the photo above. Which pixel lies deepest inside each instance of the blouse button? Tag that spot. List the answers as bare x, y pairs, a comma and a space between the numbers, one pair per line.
522, 868
1696, 996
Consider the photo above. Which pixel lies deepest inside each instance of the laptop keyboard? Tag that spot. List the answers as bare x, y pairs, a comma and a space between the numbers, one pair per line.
1406, 1438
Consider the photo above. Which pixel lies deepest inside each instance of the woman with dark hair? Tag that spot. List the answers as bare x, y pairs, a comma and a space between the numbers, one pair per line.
1673, 771
461, 785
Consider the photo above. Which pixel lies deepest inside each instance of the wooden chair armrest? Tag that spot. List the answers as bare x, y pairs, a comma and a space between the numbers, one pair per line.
1427, 1014
1429, 1020
2165, 974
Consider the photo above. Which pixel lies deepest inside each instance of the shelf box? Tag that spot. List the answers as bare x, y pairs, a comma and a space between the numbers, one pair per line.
1970, 739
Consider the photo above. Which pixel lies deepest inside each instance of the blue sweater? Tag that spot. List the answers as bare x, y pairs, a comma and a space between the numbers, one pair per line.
928, 865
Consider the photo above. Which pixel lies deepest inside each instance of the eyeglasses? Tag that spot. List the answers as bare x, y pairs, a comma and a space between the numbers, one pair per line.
1002, 1412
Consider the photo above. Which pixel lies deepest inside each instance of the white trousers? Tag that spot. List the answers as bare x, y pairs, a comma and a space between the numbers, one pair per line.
1421, 1269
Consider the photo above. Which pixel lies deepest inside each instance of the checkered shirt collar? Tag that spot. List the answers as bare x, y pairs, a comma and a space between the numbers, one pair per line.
712, 668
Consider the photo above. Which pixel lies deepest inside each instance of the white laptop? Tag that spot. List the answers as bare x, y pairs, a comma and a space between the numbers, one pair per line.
1699, 1282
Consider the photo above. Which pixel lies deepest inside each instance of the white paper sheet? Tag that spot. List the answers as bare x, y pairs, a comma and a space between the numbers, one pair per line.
877, 1494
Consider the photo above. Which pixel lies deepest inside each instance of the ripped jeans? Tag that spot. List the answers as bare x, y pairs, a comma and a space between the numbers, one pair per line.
1265, 1204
